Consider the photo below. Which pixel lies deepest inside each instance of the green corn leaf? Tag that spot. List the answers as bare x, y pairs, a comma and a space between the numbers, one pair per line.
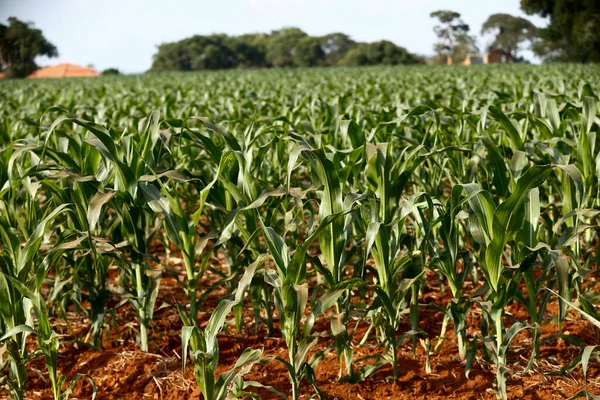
186, 335
216, 323
277, 248
17, 330
507, 125
32, 245
589, 113
95, 208
508, 219
585, 359
498, 165
247, 358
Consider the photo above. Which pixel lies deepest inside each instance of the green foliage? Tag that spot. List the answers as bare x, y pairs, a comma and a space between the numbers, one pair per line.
510, 32
20, 44
335, 46
453, 35
287, 47
379, 53
314, 204
111, 71
572, 34
282, 47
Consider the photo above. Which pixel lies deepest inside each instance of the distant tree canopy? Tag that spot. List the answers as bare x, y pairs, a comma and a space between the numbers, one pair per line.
20, 44
287, 47
573, 33
111, 71
382, 52
453, 36
510, 32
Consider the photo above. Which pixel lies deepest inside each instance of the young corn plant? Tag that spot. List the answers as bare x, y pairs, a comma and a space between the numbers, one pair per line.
399, 259
447, 259
242, 183
291, 299
181, 230
90, 265
392, 260
48, 341
19, 215
495, 227
333, 240
202, 343
587, 310
128, 163
18, 264
204, 347
22, 273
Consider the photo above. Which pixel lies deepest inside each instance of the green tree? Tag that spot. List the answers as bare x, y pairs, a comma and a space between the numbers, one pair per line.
573, 33
383, 52
249, 50
356, 56
452, 33
510, 32
20, 44
287, 47
308, 52
195, 53
281, 47
463, 45
214, 57
111, 71
335, 46
172, 57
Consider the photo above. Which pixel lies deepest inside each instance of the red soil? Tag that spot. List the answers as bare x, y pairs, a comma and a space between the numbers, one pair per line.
121, 370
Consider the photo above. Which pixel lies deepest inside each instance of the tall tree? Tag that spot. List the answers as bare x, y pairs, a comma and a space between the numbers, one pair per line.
308, 52
281, 47
379, 53
287, 47
573, 33
452, 33
111, 71
249, 50
20, 44
463, 45
335, 46
510, 32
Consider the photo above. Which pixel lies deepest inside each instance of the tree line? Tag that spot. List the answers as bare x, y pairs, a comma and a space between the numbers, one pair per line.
20, 43
455, 40
287, 47
572, 35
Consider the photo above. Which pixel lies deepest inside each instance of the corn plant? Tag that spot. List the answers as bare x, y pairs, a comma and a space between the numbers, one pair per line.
291, 298
446, 258
48, 341
204, 347
21, 266
494, 227
334, 239
338, 195
587, 310
399, 259
128, 164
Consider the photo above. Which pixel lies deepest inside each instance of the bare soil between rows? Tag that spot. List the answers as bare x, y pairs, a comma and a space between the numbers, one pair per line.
121, 371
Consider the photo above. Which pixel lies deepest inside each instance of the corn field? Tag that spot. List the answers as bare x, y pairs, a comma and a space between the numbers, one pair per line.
331, 210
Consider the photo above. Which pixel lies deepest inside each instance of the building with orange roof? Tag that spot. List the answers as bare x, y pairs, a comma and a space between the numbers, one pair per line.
63, 71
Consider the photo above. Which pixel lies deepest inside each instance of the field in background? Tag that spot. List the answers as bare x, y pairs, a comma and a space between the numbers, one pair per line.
406, 232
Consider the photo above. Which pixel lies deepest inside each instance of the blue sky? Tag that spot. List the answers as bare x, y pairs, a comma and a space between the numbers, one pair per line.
124, 33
